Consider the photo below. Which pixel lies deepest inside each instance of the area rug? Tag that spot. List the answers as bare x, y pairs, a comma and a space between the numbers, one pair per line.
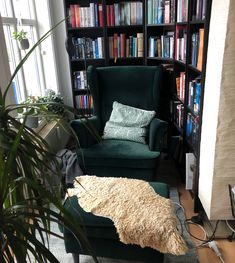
57, 245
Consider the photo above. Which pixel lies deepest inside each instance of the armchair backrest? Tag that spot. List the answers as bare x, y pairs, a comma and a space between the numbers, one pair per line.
136, 86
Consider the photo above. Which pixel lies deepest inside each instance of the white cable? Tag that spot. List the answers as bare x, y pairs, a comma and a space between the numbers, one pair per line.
213, 245
204, 231
228, 225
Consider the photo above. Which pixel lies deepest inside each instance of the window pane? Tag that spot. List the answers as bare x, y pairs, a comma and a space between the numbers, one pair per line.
22, 9
31, 71
5, 8
13, 59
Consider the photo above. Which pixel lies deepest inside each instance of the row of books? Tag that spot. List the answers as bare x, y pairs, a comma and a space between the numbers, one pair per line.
177, 113
161, 46
182, 10
84, 103
181, 42
198, 10
180, 86
197, 48
122, 46
91, 16
80, 80
194, 95
192, 130
125, 13
88, 47
161, 11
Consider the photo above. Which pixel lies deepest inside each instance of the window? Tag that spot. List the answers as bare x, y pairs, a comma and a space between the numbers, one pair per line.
20, 15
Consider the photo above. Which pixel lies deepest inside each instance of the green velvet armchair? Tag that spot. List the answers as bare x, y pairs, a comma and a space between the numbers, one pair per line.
136, 86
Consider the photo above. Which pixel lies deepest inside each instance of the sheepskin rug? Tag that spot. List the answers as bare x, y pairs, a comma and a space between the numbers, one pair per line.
140, 215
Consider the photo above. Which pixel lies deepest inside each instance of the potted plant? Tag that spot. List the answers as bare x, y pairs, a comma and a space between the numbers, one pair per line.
25, 204
22, 39
30, 110
53, 102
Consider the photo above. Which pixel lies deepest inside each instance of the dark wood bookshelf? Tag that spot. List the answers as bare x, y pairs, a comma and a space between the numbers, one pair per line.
190, 26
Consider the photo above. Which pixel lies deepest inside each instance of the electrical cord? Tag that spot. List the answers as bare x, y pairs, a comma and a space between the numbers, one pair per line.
204, 242
213, 245
228, 225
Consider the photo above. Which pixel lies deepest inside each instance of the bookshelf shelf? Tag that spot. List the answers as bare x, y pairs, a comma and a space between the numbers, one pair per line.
177, 98
88, 60
182, 23
161, 25
125, 27
181, 63
80, 92
170, 60
199, 22
194, 69
71, 29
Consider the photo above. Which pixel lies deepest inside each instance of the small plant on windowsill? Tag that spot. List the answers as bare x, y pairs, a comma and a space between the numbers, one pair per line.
53, 102
29, 110
22, 39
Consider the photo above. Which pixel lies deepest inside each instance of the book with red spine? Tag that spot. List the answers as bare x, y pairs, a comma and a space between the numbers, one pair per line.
111, 14
72, 12
100, 7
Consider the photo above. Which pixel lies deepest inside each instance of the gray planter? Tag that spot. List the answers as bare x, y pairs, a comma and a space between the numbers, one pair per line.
24, 44
32, 121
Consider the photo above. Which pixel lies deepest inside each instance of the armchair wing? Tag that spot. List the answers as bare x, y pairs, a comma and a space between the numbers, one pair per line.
157, 135
87, 131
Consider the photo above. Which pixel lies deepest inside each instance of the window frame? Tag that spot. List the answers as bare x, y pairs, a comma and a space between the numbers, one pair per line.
16, 53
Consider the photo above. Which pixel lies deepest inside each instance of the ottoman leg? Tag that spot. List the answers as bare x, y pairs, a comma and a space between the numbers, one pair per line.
75, 257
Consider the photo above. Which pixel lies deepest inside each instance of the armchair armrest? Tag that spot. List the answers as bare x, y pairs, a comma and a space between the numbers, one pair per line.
157, 135
87, 131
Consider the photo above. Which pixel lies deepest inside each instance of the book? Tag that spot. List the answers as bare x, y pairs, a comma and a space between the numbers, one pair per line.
123, 45
72, 12
167, 12
140, 45
100, 8
117, 14
200, 48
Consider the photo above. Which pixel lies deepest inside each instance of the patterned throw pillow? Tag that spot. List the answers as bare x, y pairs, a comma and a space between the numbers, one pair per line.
128, 123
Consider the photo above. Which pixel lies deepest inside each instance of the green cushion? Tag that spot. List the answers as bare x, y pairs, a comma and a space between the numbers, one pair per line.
128, 123
97, 226
118, 153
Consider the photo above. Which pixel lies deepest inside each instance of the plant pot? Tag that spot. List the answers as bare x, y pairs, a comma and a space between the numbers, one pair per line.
32, 121
24, 44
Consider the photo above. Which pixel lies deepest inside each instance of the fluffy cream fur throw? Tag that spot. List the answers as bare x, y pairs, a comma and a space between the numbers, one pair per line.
140, 215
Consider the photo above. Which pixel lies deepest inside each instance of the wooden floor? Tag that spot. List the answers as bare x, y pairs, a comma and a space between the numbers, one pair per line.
205, 254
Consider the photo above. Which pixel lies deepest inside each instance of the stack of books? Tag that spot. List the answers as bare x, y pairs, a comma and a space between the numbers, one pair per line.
160, 11
91, 16
197, 48
124, 14
180, 86
94, 48
161, 46
121, 46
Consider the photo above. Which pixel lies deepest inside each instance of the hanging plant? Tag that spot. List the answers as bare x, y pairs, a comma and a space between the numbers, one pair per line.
22, 39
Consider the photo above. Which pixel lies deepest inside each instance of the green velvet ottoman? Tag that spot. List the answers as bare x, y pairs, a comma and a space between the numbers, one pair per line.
102, 235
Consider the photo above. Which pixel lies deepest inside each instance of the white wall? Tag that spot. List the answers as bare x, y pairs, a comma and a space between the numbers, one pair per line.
217, 151
61, 56
5, 73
